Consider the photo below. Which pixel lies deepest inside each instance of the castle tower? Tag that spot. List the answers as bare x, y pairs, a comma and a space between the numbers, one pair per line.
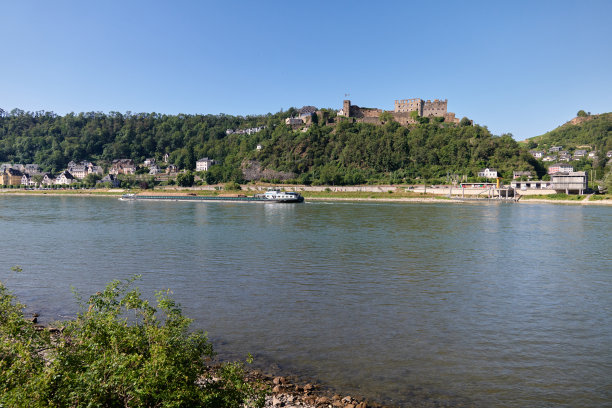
346, 108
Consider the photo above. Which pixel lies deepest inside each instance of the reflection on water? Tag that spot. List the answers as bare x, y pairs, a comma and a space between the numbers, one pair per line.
487, 305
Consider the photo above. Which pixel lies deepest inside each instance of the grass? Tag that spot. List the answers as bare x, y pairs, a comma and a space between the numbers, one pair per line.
557, 196
600, 197
104, 192
365, 194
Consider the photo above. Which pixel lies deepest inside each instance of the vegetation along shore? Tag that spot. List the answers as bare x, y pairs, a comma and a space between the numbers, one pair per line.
397, 194
151, 359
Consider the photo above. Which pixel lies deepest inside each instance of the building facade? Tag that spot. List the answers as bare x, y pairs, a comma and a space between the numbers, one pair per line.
204, 164
570, 182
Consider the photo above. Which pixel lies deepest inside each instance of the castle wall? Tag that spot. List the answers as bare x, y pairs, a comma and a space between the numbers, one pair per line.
357, 112
409, 105
435, 108
403, 118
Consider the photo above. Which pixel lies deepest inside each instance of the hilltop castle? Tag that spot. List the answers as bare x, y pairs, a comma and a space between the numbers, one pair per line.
402, 112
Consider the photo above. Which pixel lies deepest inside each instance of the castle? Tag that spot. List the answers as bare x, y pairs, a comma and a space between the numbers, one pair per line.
402, 112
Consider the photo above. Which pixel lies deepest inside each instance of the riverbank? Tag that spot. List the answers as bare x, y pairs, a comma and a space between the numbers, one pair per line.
382, 194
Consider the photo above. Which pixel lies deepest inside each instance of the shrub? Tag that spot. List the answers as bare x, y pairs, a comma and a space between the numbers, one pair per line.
119, 351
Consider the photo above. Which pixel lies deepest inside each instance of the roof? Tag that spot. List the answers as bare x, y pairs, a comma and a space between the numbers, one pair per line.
13, 172
307, 109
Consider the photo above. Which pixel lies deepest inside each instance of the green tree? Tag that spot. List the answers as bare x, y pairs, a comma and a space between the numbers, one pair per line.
465, 122
581, 114
91, 179
185, 179
385, 117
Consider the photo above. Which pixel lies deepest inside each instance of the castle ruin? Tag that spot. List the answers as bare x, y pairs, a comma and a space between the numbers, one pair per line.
402, 111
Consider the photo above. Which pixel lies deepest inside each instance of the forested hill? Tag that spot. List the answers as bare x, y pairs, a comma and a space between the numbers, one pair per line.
340, 153
591, 130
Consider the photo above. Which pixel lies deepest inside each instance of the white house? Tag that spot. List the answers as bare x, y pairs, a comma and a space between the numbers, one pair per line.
65, 178
48, 179
560, 168
154, 169
294, 121
488, 173
204, 164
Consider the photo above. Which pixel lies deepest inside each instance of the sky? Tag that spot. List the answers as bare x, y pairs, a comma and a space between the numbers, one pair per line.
519, 67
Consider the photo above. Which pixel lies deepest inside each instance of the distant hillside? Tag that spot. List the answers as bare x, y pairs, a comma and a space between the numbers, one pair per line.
592, 130
321, 153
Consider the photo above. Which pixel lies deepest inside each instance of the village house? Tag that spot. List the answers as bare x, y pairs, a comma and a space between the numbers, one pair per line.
111, 179
65, 178
83, 169
172, 168
294, 121
48, 179
78, 171
32, 169
555, 149
149, 162
204, 164
580, 153
519, 174
592, 155
19, 167
548, 159
565, 157
10, 177
560, 167
26, 180
122, 166
154, 169
537, 153
488, 173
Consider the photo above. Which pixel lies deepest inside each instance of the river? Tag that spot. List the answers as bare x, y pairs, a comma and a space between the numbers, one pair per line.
429, 304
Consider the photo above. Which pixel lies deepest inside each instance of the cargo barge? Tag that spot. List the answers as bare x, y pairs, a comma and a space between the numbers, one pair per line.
270, 196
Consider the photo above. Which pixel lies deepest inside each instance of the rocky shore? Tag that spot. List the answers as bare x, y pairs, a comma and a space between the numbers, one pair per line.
288, 393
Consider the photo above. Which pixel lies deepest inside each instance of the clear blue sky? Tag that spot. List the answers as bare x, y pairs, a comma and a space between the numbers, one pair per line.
522, 67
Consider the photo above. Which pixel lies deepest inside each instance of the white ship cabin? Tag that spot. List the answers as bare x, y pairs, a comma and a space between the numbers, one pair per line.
275, 194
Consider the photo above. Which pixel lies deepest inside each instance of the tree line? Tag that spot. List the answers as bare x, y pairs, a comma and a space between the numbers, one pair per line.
339, 153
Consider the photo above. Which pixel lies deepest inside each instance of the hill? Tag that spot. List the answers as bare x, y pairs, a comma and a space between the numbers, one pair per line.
326, 153
589, 130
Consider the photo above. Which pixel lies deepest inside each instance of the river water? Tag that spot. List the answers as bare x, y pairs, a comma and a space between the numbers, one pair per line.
485, 305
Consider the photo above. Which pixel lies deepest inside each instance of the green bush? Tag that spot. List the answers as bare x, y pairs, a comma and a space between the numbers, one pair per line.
120, 351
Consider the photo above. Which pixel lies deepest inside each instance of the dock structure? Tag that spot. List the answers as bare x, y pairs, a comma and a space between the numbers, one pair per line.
471, 191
